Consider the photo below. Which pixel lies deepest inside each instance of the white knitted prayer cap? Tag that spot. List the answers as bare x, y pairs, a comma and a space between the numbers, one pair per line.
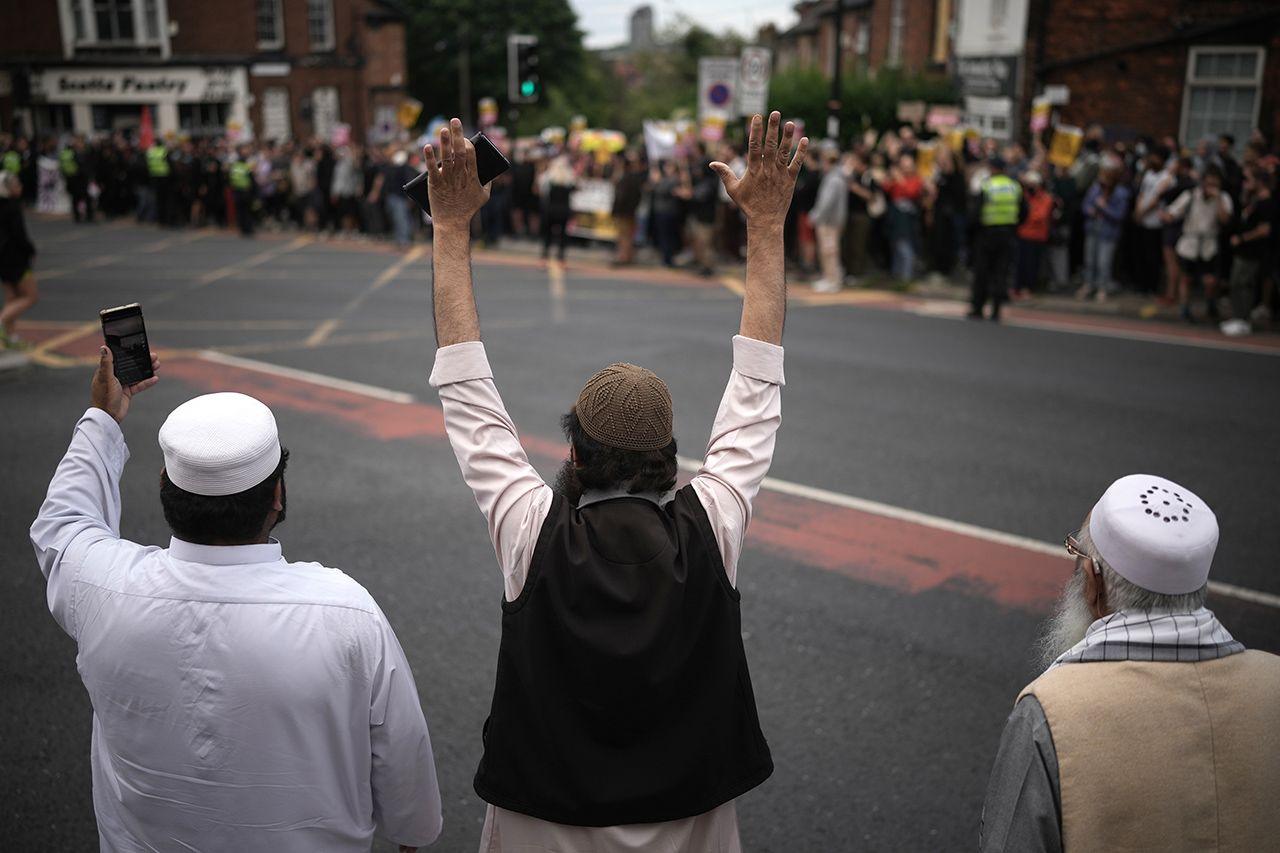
1155, 533
220, 444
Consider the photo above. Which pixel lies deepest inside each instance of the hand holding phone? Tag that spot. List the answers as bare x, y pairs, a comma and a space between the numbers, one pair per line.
126, 336
489, 163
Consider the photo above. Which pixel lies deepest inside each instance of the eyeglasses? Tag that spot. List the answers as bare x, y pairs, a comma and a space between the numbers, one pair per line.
1073, 548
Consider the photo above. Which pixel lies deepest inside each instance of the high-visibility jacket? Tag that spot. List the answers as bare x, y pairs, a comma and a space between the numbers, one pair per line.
158, 161
12, 162
67, 163
241, 176
1001, 201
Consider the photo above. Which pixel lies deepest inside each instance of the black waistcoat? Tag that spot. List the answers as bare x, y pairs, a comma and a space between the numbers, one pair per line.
622, 693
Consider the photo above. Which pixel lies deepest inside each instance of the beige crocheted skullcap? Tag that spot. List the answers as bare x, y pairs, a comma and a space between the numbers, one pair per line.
627, 407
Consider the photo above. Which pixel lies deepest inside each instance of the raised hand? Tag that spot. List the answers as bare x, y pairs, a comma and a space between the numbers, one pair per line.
453, 182
763, 193
108, 394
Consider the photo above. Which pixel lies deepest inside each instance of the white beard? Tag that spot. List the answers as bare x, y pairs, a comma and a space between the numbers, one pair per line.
1067, 625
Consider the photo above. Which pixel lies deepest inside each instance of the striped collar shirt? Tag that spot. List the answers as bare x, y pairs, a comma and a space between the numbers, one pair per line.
1153, 635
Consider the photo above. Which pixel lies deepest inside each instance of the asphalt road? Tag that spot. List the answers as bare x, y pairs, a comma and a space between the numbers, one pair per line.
882, 706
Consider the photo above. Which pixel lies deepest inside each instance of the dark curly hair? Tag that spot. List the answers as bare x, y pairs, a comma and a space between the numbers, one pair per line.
602, 467
221, 519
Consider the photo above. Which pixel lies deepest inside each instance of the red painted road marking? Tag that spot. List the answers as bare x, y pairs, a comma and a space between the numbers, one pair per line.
889, 552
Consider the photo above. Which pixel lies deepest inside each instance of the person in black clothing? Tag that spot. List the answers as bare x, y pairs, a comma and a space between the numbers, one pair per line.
622, 694
703, 200
627, 194
557, 188
1251, 242
525, 203
17, 253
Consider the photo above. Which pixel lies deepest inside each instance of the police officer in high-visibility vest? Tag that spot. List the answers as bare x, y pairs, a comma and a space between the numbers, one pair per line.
999, 212
240, 177
73, 164
158, 173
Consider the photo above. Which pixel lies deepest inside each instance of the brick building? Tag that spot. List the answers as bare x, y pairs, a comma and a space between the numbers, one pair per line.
914, 35
1186, 68
261, 68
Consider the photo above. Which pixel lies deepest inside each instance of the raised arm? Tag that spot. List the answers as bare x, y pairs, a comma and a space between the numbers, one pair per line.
508, 490
742, 439
456, 195
763, 194
81, 511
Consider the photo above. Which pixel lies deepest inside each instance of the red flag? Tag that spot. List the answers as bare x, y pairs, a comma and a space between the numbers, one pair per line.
146, 135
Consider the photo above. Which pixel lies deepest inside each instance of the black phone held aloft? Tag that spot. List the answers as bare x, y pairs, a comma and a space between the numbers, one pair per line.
489, 164
126, 335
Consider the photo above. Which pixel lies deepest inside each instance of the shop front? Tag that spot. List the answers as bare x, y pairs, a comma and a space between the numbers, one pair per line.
191, 101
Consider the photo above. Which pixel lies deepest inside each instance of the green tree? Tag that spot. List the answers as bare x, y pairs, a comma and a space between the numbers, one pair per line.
866, 100
439, 29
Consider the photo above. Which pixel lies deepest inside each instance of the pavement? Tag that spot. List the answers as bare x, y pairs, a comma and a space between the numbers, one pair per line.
899, 564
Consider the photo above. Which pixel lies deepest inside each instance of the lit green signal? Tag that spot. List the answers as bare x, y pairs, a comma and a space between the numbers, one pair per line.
528, 88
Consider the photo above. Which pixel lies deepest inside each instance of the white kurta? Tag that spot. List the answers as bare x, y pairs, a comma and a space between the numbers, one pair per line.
241, 702
515, 502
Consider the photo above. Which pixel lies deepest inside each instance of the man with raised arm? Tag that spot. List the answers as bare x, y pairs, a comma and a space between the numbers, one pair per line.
241, 702
623, 716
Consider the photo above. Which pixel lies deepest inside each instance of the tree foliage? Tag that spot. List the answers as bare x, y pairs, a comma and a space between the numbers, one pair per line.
866, 100
619, 93
439, 29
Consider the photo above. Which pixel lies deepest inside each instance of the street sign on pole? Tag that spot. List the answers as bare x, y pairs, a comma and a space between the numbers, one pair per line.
717, 87
753, 80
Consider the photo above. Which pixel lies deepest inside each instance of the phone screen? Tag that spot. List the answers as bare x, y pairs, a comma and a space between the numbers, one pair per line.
489, 164
126, 335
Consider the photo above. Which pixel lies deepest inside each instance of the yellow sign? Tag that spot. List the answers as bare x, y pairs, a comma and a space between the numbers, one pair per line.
408, 113
924, 161
1065, 145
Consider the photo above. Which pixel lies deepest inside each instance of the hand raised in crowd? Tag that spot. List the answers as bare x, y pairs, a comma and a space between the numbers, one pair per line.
453, 181
108, 394
763, 193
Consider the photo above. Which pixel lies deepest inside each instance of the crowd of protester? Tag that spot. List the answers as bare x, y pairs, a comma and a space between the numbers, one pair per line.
1182, 226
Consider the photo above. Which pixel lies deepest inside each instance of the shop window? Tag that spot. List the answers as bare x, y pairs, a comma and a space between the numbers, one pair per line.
320, 24
1223, 92
270, 24
52, 119
203, 119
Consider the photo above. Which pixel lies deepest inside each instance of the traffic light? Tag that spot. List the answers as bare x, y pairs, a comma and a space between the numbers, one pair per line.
524, 86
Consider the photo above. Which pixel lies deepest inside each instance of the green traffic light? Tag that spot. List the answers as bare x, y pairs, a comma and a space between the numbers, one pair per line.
527, 88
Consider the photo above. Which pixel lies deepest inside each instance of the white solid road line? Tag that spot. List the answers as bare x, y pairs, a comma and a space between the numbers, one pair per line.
307, 376
771, 483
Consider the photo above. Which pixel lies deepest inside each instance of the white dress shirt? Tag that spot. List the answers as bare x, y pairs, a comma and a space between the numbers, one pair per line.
515, 501
241, 702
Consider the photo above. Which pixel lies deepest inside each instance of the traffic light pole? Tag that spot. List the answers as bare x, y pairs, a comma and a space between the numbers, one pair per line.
464, 74
833, 105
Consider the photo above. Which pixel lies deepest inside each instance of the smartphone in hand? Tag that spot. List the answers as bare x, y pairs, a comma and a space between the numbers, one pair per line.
489, 164
126, 335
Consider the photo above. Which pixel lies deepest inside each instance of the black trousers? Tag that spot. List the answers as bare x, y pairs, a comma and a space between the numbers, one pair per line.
559, 225
244, 211
78, 189
991, 258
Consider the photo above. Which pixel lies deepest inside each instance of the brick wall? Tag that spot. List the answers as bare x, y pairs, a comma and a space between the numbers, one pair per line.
1139, 91
30, 29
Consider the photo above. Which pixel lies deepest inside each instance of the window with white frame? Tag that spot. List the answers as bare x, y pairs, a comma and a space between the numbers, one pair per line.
269, 17
114, 23
320, 24
1223, 94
